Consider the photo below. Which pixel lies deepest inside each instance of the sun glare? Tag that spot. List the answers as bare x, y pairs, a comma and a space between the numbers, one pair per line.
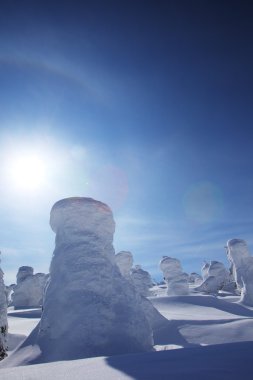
27, 172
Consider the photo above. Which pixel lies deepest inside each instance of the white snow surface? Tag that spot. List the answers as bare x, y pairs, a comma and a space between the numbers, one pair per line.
215, 335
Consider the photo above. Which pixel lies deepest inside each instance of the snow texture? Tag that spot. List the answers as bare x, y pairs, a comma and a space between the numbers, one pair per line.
177, 281
192, 322
29, 289
8, 293
242, 267
195, 278
215, 275
142, 281
237, 252
3, 318
23, 273
204, 271
124, 260
89, 309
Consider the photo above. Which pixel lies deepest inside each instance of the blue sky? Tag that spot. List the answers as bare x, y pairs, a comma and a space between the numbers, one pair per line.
146, 106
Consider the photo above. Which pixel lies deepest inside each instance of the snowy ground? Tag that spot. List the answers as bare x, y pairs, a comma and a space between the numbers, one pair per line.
194, 322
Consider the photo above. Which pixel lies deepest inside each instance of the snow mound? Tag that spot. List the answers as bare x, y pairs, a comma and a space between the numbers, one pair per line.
89, 309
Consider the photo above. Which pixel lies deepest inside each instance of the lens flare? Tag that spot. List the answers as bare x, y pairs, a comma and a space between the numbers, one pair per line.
26, 172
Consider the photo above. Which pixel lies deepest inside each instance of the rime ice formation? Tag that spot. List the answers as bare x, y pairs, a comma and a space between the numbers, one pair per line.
141, 280
237, 251
8, 293
124, 261
204, 271
3, 318
242, 268
23, 273
195, 278
177, 281
29, 289
247, 279
89, 308
216, 276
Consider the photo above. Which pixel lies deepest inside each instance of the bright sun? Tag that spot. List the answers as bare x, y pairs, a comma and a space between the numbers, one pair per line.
27, 171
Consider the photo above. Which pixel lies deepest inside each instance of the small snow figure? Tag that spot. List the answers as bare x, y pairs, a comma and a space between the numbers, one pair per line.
242, 267
216, 276
89, 309
23, 273
176, 280
195, 278
29, 289
141, 280
124, 260
3, 318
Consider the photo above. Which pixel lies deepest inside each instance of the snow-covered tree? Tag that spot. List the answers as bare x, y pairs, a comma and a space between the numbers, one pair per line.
204, 270
89, 308
29, 289
237, 251
3, 318
142, 280
216, 276
177, 281
195, 278
124, 260
23, 273
242, 268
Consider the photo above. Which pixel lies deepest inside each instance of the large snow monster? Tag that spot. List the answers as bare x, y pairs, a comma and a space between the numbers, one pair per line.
89, 309
242, 268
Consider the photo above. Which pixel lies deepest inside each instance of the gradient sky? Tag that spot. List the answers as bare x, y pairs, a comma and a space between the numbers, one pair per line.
144, 105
